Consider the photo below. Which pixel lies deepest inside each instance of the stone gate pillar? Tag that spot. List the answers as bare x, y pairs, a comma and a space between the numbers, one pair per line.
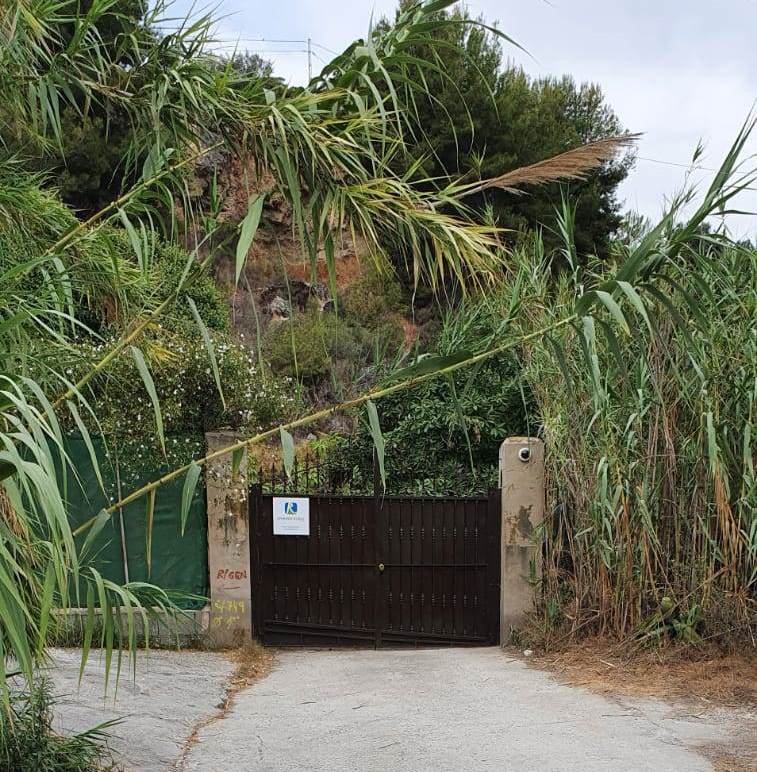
230, 620
521, 472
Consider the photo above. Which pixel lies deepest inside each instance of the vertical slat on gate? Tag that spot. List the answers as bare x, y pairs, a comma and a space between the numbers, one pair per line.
311, 558
321, 556
477, 575
482, 557
388, 575
298, 578
437, 514
284, 550
426, 561
276, 577
302, 579
360, 556
413, 580
458, 558
331, 517
336, 559
381, 550
448, 556
405, 559
349, 575
467, 560
395, 562
368, 587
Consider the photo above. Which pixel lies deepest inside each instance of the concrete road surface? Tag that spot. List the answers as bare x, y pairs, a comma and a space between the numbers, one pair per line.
449, 710
446, 710
173, 692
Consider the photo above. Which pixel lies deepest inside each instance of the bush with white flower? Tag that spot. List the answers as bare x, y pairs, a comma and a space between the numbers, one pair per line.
190, 402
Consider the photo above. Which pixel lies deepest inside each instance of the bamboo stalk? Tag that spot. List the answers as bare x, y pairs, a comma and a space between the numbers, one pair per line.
113, 353
409, 383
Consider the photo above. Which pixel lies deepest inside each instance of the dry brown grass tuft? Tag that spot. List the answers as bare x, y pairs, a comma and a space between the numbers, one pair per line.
731, 763
253, 661
703, 675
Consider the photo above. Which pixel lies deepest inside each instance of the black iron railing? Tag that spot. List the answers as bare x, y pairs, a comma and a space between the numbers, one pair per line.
356, 472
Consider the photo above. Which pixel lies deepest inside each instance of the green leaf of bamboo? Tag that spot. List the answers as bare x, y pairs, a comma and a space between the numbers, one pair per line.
635, 299
209, 348
287, 449
187, 492
559, 355
135, 241
430, 364
461, 419
378, 438
102, 518
46, 605
89, 627
248, 229
144, 372
331, 268
609, 302
87, 442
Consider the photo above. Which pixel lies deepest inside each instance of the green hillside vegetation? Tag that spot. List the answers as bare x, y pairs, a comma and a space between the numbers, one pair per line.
631, 351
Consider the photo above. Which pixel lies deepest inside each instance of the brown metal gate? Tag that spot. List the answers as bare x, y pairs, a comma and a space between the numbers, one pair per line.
378, 571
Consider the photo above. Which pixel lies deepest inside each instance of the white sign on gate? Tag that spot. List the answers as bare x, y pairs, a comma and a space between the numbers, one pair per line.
291, 516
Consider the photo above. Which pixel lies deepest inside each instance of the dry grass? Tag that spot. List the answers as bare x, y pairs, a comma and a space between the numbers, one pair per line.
731, 763
702, 675
253, 661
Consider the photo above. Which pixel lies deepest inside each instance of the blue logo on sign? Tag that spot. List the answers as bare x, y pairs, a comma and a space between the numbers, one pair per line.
290, 507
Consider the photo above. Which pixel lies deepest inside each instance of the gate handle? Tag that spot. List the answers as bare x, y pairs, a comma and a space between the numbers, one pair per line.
381, 567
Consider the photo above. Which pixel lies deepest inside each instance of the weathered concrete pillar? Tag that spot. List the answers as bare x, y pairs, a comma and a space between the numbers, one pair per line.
521, 471
228, 547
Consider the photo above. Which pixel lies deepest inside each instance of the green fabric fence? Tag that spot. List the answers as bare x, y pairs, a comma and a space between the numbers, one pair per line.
178, 563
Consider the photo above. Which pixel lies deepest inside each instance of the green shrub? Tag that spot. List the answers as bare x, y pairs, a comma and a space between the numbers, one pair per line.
169, 263
426, 445
310, 344
372, 298
28, 742
427, 430
106, 285
186, 388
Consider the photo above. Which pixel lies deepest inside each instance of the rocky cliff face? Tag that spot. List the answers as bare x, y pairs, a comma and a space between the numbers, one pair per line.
277, 276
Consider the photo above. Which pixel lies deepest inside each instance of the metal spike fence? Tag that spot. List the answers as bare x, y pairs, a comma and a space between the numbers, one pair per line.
354, 470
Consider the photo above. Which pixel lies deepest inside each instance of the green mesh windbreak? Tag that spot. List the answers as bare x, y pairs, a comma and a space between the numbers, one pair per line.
179, 563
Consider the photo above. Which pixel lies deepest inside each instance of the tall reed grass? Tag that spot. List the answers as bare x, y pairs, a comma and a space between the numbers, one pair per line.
650, 462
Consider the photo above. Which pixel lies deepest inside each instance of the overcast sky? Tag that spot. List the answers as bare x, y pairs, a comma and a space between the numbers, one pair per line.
679, 71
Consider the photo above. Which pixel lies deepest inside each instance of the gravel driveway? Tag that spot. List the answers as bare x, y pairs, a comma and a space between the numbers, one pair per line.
369, 711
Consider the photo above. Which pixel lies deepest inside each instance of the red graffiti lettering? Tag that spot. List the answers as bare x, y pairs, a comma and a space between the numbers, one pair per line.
229, 573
